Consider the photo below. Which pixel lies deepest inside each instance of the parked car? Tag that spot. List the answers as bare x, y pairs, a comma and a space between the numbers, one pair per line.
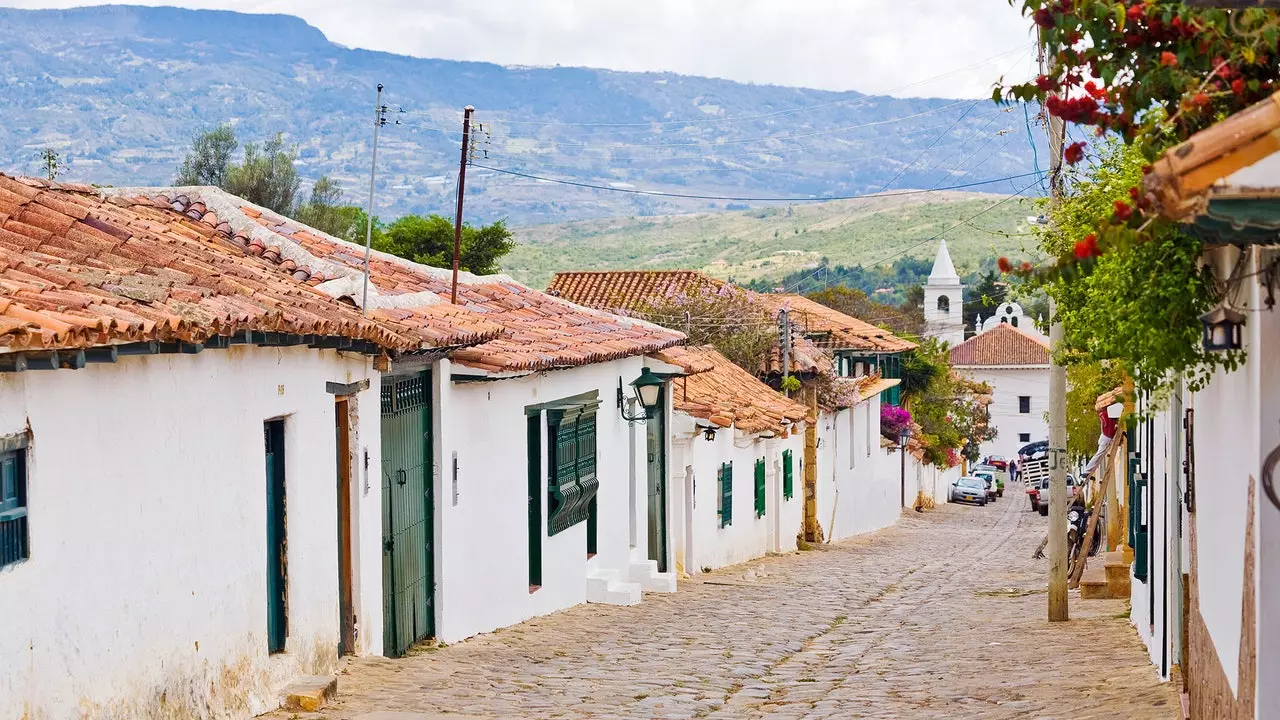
995, 486
969, 489
1043, 496
1033, 494
999, 462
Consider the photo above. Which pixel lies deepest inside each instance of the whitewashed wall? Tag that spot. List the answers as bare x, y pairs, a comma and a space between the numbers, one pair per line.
703, 544
147, 500
1154, 603
1007, 386
482, 571
855, 495
1267, 540
933, 481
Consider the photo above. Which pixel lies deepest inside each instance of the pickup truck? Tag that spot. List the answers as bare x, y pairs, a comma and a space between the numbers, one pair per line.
1041, 499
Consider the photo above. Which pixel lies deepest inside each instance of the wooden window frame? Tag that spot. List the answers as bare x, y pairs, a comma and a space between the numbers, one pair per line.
15, 537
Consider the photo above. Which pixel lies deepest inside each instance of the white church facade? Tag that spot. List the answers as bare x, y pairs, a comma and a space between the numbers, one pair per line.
1006, 352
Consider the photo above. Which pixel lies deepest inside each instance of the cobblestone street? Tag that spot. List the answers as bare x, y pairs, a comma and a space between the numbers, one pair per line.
941, 616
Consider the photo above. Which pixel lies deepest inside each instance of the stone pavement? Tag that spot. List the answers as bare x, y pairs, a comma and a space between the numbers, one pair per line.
941, 616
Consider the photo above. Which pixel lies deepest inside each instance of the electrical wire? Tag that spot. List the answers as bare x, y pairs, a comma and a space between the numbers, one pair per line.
660, 193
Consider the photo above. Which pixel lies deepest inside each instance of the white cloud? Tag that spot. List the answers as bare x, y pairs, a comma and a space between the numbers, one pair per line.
864, 45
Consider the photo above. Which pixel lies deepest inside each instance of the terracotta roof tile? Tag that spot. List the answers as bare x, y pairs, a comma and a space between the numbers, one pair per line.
626, 289
1003, 344
78, 270
541, 332
833, 330
724, 394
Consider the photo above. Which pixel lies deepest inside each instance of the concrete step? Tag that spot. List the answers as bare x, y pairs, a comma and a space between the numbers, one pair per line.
309, 694
646, 573
1093, 584
606, 588
1117, 571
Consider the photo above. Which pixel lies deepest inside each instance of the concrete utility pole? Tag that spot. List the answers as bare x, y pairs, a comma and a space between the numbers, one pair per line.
1058, 611
462, 186
379, 119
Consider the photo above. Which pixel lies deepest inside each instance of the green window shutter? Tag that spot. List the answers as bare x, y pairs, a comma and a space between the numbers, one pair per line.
562, 488
760, 488
788, 478
726, 494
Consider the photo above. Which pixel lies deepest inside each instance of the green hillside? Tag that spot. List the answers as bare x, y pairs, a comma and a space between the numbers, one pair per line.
769, 243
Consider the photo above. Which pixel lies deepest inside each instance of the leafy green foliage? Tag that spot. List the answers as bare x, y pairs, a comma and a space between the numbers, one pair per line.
983, 298
951, 412
266, 176
429, 240
209, 158
1139, 303
324, 212
1085, 382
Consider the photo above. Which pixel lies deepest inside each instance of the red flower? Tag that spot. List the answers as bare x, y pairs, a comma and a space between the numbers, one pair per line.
1135, 13
1088, 247
1004, 264
1092, 88
1045, 83
1082, 250
1043, 17
1168, 59
1146, 169
1133, 193
1074, 153
1238, 86
1026, 266
1123, 211
1200, 100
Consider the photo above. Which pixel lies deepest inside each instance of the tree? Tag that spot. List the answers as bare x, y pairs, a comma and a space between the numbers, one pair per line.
727, 317
52, 163
1085, 382
209, 158
323, 212
855, 303
429, 240
984, 298
267, 176
951, 412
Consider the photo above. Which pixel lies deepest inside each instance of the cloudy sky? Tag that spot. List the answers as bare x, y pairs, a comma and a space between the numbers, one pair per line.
865, 45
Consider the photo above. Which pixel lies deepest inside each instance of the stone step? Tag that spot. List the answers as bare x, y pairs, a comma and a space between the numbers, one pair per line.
646, 573
1093, 584
309, 694
605, 587
1118, 578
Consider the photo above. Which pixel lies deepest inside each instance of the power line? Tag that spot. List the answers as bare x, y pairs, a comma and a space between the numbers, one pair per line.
691, 196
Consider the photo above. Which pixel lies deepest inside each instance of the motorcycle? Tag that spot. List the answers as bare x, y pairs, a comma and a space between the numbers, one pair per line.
1077, 524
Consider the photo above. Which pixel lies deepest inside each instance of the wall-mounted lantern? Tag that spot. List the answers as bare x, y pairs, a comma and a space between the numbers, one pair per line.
708, 432
1222, 329
646, 388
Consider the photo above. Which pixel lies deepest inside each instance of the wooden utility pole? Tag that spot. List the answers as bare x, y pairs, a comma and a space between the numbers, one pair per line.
1058, 611
462, 186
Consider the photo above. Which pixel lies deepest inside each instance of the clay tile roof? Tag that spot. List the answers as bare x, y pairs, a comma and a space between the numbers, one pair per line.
79, 270
727, 395
626, 289
1003, 344
834, 330
540, 331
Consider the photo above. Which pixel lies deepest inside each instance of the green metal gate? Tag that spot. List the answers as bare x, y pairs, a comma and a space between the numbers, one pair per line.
408, 582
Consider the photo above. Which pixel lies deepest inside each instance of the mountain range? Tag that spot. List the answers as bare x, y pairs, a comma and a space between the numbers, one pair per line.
119, 91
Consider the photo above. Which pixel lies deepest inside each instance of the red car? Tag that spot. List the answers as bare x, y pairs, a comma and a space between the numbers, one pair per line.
998, 461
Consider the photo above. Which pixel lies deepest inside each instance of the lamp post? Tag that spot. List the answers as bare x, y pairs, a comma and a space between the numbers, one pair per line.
903, 437
646, 389
1222, 329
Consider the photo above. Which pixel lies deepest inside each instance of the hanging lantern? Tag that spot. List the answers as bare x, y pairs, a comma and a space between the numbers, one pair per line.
1223, 329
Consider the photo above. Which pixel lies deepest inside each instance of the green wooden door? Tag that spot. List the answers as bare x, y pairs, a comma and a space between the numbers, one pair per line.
655, 434
277, 558
407, 530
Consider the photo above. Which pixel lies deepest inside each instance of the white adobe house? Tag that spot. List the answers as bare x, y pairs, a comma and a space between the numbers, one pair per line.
738, 448
944, 300
520, 475
189, 445
860, 485
1205, 511
1013, 358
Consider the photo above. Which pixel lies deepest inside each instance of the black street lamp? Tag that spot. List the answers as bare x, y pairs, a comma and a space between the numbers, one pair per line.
646, 388
903, 437
1222, 329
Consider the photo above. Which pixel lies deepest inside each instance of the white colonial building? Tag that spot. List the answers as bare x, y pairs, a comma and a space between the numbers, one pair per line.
944, 300
1013, 358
